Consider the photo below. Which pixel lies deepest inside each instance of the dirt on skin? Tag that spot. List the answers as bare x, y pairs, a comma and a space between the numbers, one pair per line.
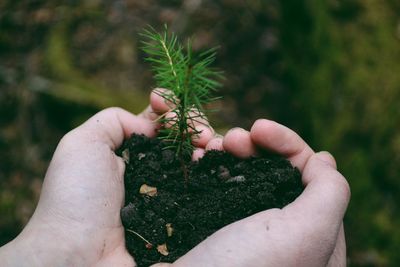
165, 216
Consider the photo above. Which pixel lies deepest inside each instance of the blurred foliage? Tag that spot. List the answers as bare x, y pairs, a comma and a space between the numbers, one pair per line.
328, 69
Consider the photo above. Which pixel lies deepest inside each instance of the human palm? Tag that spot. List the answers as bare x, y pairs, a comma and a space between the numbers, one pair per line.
83, 191
77, 220
307, 232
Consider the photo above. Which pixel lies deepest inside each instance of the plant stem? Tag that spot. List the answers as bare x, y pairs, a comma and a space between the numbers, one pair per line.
138, 235
191, 79
171, 64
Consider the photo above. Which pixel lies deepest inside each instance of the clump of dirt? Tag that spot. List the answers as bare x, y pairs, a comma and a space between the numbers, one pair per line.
165, 216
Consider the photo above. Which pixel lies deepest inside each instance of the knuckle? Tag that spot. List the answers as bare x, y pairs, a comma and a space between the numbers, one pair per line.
338, 184
68, 139
343, 185
112, 111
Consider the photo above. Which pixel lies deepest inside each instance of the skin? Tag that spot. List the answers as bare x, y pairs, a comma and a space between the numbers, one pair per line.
77, 222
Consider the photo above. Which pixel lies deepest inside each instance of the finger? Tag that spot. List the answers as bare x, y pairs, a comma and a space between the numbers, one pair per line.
111, 126
204, 135
162, 102
197, 154
327, 157
238, 142
327, 193
148, 113
280, 139
158, 104
216, 143
199, 128
198, 123
323, 156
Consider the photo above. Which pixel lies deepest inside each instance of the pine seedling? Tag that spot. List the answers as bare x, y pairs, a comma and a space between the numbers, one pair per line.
191, 80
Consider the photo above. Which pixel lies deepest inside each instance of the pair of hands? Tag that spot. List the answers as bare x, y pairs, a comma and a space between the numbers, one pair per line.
77, 221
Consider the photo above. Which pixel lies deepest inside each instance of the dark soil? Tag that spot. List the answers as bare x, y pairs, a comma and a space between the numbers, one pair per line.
221, 189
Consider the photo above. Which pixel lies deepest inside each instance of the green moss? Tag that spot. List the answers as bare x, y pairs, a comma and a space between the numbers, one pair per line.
71, 85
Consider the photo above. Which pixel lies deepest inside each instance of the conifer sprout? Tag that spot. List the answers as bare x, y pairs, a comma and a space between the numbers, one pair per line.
191, 80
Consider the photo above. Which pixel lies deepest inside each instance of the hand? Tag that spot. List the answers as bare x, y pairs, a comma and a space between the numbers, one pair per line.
77, 221
307, 232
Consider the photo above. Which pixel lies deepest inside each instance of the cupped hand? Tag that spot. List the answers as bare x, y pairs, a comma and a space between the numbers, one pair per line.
308, 232
77, 220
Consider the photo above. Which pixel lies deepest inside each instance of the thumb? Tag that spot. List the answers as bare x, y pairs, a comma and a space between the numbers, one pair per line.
327, 158
327, 192
111, 126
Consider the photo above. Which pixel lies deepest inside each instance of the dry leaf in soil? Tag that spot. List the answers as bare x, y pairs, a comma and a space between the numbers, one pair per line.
148, 190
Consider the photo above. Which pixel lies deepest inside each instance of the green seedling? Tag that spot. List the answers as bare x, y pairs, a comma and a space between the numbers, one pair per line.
191, 81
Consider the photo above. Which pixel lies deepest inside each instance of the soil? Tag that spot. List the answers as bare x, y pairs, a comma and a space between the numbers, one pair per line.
165, 216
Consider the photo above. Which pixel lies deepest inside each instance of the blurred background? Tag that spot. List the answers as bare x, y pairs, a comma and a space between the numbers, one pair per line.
328, 69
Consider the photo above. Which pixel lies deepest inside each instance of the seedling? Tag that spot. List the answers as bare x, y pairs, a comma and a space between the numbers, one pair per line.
171, 217
191, 81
